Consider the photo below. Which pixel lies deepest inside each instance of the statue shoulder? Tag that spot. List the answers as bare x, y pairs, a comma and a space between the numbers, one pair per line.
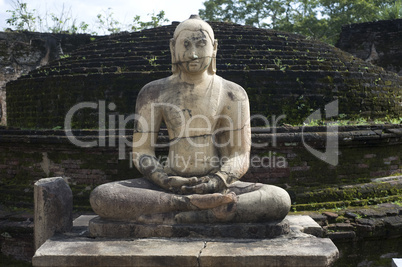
234, 91
152, 90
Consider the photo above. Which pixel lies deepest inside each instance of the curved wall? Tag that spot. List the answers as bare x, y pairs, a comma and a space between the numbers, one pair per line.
283, 74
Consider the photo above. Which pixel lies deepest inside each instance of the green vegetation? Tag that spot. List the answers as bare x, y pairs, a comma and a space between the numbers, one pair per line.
22, 18
342, 121
319, 19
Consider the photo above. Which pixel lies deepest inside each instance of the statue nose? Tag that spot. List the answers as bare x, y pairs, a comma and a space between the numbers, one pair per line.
194, 55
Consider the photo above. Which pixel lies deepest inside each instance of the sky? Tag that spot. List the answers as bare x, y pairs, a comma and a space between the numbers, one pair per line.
123, 10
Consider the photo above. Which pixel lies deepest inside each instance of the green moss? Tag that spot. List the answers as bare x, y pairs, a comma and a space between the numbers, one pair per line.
344, 204
340, 219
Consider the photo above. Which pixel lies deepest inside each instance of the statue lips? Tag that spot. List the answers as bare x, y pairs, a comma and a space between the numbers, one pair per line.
194, 63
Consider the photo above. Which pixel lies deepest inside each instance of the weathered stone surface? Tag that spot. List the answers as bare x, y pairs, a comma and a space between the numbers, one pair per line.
302, 251
23, 51
279, 252
377, 42
53, 208
294, 249
141, 201
351, 214
99, 227
393, 225
106, 252
373, 213
340, 227
331, 215
319, 218
344, 235
208, 122
305, 224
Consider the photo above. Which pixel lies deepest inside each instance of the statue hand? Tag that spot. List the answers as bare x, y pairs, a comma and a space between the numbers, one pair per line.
206, 185
175, 183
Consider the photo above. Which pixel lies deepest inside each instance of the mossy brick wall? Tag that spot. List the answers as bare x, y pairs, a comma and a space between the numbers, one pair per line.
282, 73
364, 153
21, 164
54, 101
378, 42
21, 52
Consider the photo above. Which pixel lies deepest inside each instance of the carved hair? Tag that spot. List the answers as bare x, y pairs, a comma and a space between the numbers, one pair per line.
194, 23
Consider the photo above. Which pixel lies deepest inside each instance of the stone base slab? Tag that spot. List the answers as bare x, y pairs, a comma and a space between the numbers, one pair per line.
294, 249
99, 227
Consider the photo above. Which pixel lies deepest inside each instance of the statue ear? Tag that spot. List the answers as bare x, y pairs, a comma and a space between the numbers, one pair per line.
172, 44
212, 66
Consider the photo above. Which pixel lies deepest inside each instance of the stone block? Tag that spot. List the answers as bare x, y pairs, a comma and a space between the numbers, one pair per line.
343, 235
301, 251
53, 208
331, 215
293, 249
351, 215
371, 213
319, 218
99, 227
103, 252
308, 251
341, 227
305, 224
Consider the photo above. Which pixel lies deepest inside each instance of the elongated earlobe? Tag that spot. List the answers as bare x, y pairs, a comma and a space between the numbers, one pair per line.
172, 44
212, 66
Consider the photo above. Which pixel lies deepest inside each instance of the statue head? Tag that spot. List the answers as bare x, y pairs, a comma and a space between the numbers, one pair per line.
193, 47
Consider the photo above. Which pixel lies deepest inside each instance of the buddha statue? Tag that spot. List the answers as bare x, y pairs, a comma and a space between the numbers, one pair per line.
208, 124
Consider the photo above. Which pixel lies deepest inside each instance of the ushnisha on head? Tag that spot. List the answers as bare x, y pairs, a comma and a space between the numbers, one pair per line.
193, 47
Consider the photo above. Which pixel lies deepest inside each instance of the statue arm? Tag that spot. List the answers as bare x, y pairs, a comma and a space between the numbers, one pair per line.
146, 128
235, 155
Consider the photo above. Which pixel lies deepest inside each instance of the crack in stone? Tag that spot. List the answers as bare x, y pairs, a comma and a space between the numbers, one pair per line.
199, 254
206, 135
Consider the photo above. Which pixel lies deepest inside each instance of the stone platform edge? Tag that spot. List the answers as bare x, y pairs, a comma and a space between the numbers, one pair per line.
298, 248
99, 227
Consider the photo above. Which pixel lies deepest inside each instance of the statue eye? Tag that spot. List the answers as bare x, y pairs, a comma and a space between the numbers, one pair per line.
202, 43
186, 43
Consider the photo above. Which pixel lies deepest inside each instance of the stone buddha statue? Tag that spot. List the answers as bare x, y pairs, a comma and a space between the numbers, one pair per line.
208, 124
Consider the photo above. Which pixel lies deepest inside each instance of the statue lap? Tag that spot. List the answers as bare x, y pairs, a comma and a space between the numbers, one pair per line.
138, 200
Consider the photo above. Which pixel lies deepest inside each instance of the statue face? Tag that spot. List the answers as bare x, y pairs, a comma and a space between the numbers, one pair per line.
193, 51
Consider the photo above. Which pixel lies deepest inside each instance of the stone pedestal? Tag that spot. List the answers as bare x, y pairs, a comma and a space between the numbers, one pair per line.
294, 249
396, 262
53, 208
99, 227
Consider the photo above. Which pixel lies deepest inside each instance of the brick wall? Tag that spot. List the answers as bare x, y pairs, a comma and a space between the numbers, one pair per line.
377, 42
22, 52
365, 152
283, 74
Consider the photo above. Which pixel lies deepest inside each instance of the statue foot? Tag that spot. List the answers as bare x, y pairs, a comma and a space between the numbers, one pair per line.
210, 201
158, 218
223, 213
